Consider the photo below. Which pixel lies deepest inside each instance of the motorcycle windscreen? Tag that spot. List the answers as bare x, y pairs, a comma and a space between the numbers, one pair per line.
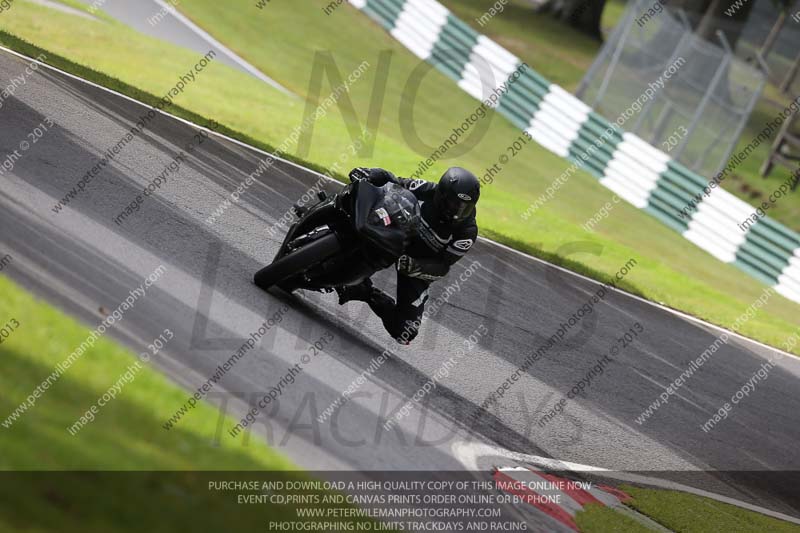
373, 223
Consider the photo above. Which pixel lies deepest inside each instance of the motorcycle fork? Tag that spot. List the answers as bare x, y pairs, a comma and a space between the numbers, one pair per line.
323, 213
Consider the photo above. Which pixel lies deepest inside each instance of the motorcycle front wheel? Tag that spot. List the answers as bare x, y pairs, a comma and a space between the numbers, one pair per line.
297, 261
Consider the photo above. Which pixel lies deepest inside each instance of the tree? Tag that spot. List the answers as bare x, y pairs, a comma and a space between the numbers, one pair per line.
707, 17
585, 15
783, 13
719, 17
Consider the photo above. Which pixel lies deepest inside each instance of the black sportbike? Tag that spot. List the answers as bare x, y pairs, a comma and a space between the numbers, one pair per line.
344, 239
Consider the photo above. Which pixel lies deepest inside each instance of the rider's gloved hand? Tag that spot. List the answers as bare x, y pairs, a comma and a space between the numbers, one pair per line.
412, 268
409, 267
359, 174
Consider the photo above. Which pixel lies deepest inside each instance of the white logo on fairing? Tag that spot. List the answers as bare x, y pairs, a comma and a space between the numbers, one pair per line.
416, 184
384, 216
465, 197
465, 244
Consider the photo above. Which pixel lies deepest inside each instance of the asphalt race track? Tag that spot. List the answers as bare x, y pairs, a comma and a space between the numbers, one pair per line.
82, 261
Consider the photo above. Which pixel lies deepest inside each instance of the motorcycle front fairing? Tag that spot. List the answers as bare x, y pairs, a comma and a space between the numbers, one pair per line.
384, 240
371, 239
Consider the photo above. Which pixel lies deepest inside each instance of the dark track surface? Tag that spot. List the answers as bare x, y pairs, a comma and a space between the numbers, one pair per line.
81, 260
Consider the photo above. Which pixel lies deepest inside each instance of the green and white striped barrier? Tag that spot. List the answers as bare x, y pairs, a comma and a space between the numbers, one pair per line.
636, 171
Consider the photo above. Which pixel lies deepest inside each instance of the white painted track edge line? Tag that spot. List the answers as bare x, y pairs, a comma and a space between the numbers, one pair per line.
670, 310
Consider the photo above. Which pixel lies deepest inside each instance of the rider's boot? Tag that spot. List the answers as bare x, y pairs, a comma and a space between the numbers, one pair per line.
361, 292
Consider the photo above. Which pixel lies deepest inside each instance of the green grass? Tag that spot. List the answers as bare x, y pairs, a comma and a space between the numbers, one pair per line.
669, 270
127, 435
558, 52
596, 518
687, 513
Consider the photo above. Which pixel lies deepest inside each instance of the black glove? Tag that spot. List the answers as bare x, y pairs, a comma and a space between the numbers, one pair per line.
359, 174
406, 266
409, 267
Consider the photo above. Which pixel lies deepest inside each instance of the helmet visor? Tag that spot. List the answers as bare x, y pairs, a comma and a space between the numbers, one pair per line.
457, 209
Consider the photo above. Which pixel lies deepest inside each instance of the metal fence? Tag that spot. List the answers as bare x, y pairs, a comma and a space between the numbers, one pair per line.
698, 116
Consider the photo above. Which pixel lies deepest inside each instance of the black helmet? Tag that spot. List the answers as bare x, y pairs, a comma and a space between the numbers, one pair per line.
457, 194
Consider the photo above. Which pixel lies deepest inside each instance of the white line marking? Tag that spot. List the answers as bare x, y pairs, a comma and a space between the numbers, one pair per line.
657, 384
224, 49
503, 246
469, 452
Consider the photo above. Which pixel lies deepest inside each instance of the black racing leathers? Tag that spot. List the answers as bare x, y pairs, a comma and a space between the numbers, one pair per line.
434, 250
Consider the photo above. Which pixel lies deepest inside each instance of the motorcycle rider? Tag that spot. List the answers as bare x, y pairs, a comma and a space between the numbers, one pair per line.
447, 232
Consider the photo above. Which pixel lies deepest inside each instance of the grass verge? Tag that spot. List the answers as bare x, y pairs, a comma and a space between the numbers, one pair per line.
669, 270
596, 518
128, 433
687, 513
126, 436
